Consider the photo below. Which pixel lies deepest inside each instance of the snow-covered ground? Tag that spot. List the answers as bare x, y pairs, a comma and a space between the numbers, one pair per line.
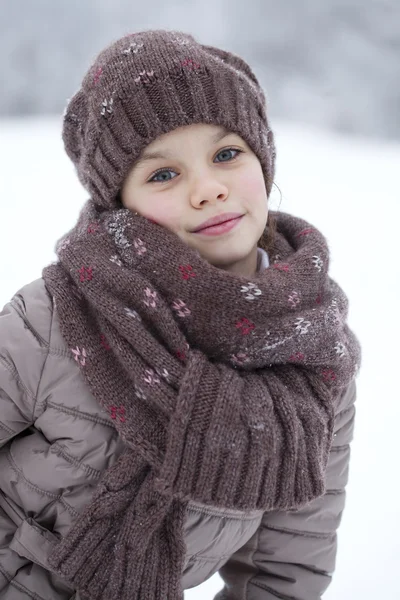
347, 187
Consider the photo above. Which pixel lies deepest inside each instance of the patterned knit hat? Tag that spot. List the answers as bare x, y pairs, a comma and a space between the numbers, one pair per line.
147, 84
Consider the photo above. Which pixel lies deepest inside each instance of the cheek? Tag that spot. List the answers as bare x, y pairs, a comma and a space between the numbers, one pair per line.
252, 188
164, 213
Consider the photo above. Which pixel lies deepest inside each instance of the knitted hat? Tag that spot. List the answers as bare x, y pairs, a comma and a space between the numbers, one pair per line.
147, 84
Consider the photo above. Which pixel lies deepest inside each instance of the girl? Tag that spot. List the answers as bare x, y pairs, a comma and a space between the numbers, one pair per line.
177, 391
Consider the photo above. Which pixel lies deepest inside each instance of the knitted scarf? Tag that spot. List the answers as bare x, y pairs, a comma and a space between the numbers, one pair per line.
222, 387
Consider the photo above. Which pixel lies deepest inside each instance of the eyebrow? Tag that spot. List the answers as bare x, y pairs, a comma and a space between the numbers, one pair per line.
166, 154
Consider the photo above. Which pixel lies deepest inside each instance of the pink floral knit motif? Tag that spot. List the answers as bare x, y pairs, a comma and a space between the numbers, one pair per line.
139, 247
139, 393
281, 267
187, 271
181, 354
104, 342
118, 412
63, 245
302, 325
181, 41
115, 259
190, 64
133, 48
133, 314
163, 373
181, 309
151, 377
86, 273
145, 77
93, 227
334, 312
340, 349
329, 375
107, 106
240, 358
245, 325
294, 299
251, 291
306, 231
80, 355
150, 298
97, 75
318, 262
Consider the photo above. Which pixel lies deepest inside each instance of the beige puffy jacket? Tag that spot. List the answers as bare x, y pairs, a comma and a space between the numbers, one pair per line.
55, 442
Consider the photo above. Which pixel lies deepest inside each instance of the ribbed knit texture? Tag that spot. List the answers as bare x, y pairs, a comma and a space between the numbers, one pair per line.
150, 83
222, 387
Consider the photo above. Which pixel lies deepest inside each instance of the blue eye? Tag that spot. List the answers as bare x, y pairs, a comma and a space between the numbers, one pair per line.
227, 154
159, 176
226, 151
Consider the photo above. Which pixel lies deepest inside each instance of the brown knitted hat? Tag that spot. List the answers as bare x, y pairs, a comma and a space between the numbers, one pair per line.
150, 83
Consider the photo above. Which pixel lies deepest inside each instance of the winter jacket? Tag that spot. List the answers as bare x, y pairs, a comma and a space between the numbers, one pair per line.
55, 442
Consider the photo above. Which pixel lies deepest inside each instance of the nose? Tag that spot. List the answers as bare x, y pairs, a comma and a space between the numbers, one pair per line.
207, 190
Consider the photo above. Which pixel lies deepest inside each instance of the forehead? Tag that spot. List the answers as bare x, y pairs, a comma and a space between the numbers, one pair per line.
201, 132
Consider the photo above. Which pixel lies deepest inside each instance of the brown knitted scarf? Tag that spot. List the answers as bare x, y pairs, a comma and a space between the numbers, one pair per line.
222, 387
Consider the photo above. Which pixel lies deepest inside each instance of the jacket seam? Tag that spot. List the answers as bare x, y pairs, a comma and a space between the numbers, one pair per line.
336, 492
44, 361
215, 512
45, 345
91, 471
16, 376
200, 556
15, 517
346, 410
38, 385
58, 352
35, 488
29, 555
274, 592
298, 532
7, 429
19, 586
42, 342
256, 547
313, 570
340, 448
80, 414
27, 322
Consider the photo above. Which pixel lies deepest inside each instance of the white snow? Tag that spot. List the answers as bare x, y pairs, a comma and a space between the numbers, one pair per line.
347, 187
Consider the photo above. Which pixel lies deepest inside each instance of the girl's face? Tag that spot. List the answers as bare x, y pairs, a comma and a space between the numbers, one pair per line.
197, 172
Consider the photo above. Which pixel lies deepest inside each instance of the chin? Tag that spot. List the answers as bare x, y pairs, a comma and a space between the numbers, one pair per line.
225, 259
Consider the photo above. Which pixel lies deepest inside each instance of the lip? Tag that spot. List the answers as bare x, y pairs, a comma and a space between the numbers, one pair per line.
221, 228
217, 220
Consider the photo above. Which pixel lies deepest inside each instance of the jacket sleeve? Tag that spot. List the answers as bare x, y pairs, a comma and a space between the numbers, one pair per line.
23, 352
292, 555
25, 326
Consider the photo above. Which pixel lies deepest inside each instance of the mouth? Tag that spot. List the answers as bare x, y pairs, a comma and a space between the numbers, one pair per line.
221, 227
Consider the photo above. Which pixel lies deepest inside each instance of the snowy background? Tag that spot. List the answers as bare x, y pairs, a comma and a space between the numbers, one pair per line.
332, 63
329, 70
